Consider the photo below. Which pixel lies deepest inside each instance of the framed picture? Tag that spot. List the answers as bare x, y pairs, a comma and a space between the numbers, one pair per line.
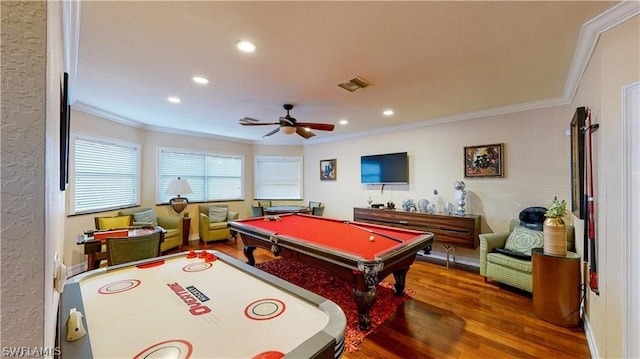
65, 124
328, 170
578, 195
484, 160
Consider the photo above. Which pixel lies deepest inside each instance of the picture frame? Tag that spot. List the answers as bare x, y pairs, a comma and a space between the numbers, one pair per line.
484, 160
328, 170
578, 169
65, 126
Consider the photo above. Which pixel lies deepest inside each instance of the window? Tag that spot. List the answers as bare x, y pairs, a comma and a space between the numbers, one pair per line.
212, 177
278, 178
106, 174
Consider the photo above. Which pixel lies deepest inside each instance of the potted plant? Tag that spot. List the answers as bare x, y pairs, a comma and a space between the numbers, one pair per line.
555, 231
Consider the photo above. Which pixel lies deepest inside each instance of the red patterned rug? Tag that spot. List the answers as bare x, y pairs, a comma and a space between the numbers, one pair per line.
339, 292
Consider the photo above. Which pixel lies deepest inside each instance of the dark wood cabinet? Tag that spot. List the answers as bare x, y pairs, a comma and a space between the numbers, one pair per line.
457, 231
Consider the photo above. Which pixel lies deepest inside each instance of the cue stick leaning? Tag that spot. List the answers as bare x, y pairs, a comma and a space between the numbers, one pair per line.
374, 232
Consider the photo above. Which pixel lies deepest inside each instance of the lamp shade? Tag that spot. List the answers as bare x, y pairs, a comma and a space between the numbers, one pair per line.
289, 130
178, 187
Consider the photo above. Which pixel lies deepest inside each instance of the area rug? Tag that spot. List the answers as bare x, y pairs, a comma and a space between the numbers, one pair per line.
339, 292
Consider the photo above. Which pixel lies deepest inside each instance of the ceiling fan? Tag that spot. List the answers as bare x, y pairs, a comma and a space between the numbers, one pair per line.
289, 125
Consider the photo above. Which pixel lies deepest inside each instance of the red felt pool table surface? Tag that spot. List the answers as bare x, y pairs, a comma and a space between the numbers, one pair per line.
338, 235
343, 248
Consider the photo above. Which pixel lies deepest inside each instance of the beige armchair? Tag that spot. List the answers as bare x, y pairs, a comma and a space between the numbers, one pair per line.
507, 269
147, 217
213, 229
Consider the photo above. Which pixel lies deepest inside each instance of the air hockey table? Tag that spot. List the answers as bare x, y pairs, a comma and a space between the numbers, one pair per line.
361, 254
210, 306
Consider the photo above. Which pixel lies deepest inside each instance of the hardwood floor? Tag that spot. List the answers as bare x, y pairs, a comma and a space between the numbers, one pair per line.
455, 314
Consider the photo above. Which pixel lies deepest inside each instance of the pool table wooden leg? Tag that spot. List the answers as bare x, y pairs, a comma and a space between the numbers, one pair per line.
400, 275
248, 252
364, 301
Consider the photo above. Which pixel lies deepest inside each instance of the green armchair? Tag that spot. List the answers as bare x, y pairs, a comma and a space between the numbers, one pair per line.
506, 269
213, 229
171, 224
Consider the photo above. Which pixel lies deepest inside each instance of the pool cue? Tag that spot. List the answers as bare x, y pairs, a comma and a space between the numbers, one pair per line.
593, 271
374, 232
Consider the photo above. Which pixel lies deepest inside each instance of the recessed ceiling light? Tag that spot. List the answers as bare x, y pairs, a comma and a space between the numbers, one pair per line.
200, 80
343, 122
388, 112
173, 99
245, 46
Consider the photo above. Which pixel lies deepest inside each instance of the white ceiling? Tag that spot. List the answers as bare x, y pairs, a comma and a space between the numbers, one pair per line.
427, 61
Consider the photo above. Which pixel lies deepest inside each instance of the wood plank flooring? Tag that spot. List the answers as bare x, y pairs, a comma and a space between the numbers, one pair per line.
455, 314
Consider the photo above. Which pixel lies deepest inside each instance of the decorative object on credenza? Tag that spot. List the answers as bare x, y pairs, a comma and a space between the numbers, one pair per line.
431, 208
449, 209
369, 201
555, 231
178, 187
408, 205
423, 205
461, 196
484, 160
328, 170
438, 204
391, 205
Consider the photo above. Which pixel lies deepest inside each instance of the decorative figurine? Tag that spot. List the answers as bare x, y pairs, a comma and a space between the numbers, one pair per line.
438, 204
423, 204
408, 205
461, 195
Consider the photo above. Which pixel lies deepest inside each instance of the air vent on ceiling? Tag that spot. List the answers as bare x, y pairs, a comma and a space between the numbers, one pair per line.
354, 84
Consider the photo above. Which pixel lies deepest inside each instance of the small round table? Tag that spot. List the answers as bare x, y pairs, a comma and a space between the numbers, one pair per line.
275, 210
556, 287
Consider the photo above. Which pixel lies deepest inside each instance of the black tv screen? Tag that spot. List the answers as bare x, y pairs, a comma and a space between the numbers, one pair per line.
385, 168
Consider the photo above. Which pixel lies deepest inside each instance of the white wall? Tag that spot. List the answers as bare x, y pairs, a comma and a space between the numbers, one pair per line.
536, 166
32, 204
614, 63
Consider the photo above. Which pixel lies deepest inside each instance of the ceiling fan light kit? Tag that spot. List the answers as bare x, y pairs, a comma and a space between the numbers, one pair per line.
289, 125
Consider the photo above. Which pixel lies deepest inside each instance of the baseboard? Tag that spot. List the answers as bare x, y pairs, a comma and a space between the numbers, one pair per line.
593, 347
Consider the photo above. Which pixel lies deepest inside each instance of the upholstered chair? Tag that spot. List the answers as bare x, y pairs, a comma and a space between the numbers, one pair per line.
317, 211
171, 224
511, 265
113, 222
257, 211
213, 219
124, 250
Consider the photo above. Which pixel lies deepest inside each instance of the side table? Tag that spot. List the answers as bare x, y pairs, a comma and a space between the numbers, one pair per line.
186, 229
556, 287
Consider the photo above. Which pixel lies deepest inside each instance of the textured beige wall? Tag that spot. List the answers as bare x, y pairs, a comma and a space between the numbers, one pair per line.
23, 70
615, 63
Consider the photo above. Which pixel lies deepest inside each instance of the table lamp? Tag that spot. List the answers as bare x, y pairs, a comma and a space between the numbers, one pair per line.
178, 187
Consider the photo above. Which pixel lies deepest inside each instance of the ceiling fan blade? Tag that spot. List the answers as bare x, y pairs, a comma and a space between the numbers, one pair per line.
272, 132
304, 132
317, 126
287, 121
249, 119
258, 124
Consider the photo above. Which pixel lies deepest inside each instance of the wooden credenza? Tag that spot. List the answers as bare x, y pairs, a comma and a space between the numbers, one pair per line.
456, 231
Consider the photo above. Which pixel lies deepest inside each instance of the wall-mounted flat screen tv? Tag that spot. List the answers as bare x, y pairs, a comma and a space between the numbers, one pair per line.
385, 168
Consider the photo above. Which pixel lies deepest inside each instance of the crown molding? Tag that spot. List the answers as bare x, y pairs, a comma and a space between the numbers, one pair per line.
589, 35
91, 110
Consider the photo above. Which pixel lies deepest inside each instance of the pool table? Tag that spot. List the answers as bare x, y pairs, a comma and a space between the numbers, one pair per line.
201, 304
361, 254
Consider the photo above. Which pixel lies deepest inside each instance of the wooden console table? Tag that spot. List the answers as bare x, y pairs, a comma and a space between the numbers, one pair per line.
450, 231
556, 287
461, 231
